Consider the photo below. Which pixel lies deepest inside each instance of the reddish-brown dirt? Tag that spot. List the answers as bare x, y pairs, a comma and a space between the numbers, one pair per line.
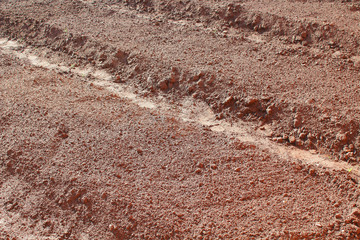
83, 161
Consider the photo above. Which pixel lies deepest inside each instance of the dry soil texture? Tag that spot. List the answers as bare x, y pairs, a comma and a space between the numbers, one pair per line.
81, 158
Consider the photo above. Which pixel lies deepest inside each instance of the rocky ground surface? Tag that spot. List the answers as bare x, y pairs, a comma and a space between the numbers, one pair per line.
150, 119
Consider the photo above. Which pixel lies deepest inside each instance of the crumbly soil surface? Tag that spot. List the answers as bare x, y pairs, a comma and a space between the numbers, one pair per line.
127, 119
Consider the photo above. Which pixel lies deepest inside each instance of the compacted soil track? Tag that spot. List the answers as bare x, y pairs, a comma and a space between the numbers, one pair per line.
81, 158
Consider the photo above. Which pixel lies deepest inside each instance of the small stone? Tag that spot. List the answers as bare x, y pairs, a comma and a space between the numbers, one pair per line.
252, 101
278, 139
292, 139
356, 213
112, 227
85, 200
163, 85
331, 43
198, 171
338, 216
304, 35
213, 166
237, 169
102, 57
104, 195
342, 137
303, 136
297, 39
178, 214
356, 61
270, 110
174, 76
299, 143
117, 79
201, 83
318, 224
339, 55
175, 70
200, 165
346, 149
297, 122
139, 151
229, 101
311, 101
119, 53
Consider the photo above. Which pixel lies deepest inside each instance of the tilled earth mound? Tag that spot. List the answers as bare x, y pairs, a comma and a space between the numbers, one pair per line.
294, 70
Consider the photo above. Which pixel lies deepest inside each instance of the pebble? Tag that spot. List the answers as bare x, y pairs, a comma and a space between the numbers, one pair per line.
311, 101
200, 165
139, 151
252, 101
112, 227
318, 224
346, 149
229, 101
312, 172
237, 169
278, 139
297, 122
85, 200
304, 35
285, 137
292, 139
356, 61
341, 137
201, 83
117, 79
121, 55
104, 195
270, 110
174, 76
339, 55
356, 213
303, 136
163, 85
